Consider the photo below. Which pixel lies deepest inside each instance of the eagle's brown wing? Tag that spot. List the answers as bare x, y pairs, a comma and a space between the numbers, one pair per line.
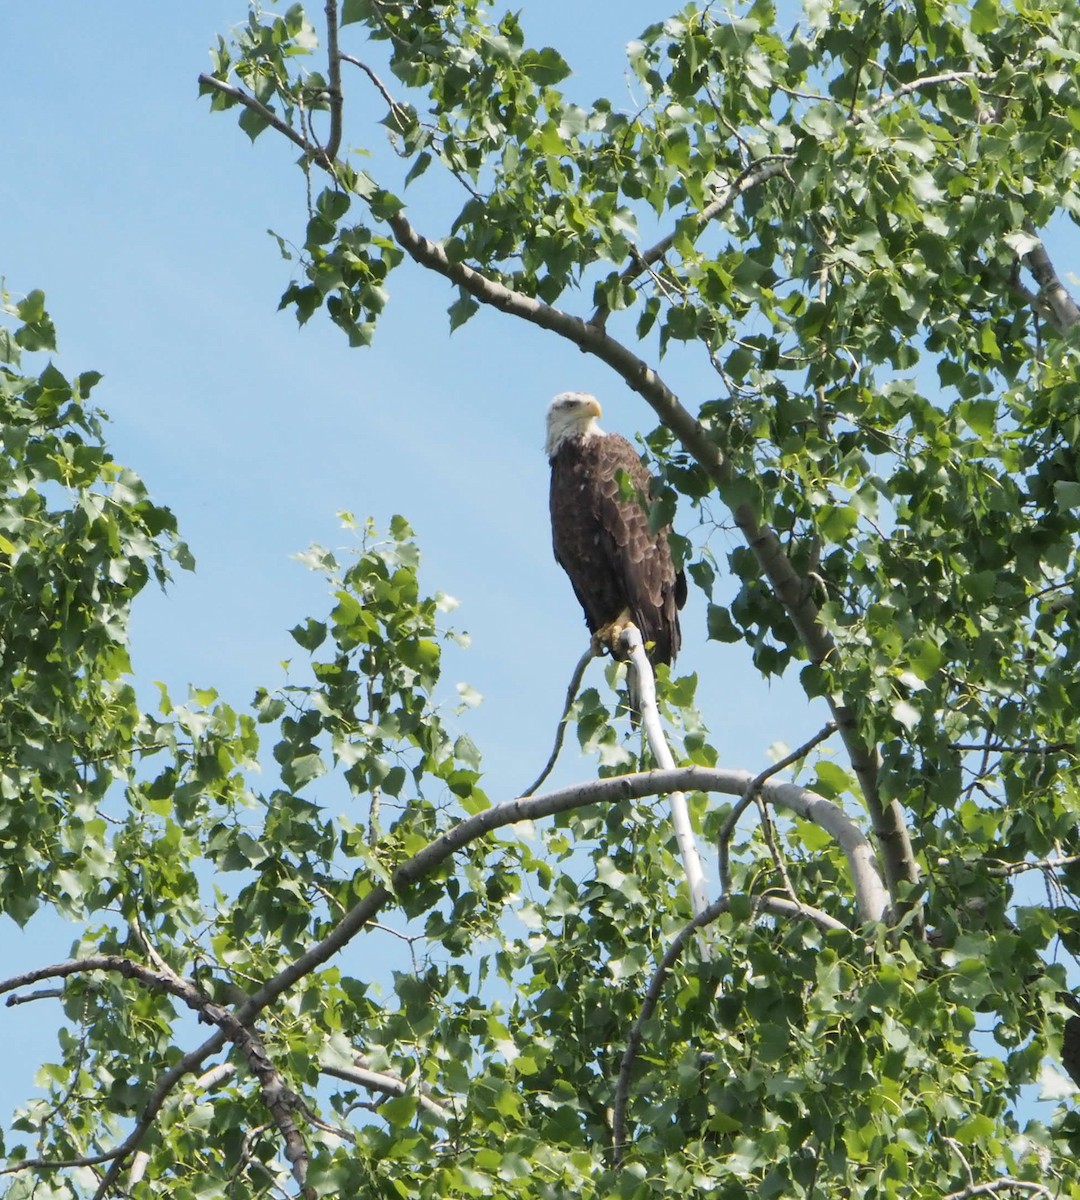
602, 540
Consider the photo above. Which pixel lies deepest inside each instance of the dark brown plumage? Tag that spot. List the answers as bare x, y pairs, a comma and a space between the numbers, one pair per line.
619, 569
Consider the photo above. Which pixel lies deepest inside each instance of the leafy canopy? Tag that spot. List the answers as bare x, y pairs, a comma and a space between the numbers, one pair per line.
843, 217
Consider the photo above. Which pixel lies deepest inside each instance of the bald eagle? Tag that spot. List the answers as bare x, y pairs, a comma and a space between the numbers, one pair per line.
620, 570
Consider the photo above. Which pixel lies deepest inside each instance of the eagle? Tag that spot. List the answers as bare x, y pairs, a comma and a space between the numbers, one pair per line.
621, 571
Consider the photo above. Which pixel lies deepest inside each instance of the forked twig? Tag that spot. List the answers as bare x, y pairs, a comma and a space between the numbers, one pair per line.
560, 732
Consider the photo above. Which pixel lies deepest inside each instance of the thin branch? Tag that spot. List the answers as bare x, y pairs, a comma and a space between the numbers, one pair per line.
389, 1085
769, 835
1003, 1184
1004, 869
753, 790
773, 906
916, 85
43, 994
757, 173
1005, 748
560, 732
395, 108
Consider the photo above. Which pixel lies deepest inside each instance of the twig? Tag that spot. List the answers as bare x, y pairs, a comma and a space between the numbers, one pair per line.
753, 790
772, 905
774, 850
1003, 1184
758, 172
560, 732
395, 108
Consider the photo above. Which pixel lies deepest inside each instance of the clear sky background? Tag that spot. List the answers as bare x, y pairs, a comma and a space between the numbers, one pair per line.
144, 218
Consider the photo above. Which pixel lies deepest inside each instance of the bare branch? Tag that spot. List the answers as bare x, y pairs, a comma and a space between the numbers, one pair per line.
380, 87
771, 905
42, 994
753, 790
560, 732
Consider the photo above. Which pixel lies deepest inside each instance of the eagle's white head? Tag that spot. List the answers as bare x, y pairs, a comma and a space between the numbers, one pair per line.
571, 414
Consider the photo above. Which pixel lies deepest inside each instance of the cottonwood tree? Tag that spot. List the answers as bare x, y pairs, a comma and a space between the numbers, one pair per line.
838, 215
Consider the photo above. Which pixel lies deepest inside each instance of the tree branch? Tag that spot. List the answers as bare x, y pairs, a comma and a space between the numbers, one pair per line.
753, 790
1004, 1184
560, 732
644, 693
1054, 298
333, 66
389, 1085
870, 894
756, 173
278, 1098
120, 1153
773, 906
916, 85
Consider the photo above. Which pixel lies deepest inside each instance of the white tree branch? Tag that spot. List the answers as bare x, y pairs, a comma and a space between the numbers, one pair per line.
388, 1085
644, 697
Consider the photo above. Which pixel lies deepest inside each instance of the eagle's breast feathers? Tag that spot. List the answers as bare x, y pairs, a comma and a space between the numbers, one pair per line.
600, 529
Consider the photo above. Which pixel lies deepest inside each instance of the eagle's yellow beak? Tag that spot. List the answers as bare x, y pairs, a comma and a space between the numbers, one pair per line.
594, 407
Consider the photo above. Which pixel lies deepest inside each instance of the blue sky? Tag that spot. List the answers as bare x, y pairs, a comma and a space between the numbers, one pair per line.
144, 219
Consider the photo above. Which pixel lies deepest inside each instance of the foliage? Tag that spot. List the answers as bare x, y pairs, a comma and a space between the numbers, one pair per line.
841, 217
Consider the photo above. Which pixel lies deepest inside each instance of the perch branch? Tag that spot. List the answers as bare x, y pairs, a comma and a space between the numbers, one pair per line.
773, 906
644, 692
